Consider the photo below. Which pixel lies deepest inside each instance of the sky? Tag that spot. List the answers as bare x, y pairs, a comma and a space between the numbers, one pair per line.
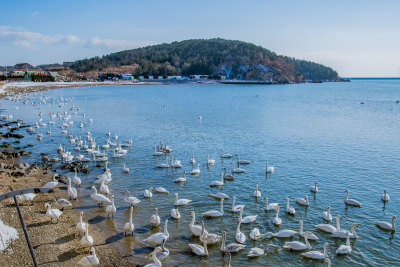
357, 38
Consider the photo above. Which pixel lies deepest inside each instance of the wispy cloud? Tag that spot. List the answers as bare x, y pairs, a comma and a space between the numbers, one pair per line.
34, 40
33, 14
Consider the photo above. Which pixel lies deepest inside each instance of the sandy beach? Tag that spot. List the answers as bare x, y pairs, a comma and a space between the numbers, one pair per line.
55, 244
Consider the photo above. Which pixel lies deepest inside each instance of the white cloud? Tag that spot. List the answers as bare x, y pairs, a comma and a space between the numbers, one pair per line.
35, 13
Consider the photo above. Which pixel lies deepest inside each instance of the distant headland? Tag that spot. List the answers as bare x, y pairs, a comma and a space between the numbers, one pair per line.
190, 60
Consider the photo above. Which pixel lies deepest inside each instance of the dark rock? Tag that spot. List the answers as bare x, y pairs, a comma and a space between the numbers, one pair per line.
24, 153
17, 174
11, 135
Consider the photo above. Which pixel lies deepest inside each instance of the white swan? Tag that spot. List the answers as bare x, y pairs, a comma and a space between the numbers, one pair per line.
237, 170
340, 233
345, 249
257, 193
147, 193
310, 236
111, 209
289, 210
130, 200
182, 201
198, 249
277, 221
211, 238
164, 252
242, 161
81, 226
155, 219
157, 238
91, 260
125, 169
387, 225
181, 179
52, 184
87, 240
196, 229
297, 245
255, 234
282, 234
27, 197
175, 214
192, 160
219, 195
161, 190
176, 163
329, 228
157, 153
314, 188
228, 176
303, 201
157, 262
196, 171
270, 206
52, 213
385, 197
225, 156
104, 188
326, 215
316, 255
129, 227
218, 183
163, 165
99, 198
231, 248
351, 202
239, 236
76, 180
328, 261
63, 203
236, 208
247, 219
215, 213
210, 161
255, 252
269, 169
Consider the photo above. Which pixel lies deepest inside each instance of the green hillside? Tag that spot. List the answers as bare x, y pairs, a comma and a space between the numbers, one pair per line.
233, 59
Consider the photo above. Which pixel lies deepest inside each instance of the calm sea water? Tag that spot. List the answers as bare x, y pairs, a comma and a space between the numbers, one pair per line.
307, 132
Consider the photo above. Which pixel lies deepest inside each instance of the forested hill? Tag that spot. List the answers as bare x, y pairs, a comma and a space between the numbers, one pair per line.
233, 59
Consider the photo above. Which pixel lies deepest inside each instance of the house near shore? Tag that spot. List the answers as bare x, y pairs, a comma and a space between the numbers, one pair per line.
198, 77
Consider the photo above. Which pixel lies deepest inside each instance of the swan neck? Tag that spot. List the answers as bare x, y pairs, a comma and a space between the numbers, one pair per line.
238, 227
301, 227
326, 244
156, 261
205, 246
223, 243
337, 223
306, 239
166, 228
287, 203
348, 240
131, 215
193, 218
222, 205
277, 213
393, 226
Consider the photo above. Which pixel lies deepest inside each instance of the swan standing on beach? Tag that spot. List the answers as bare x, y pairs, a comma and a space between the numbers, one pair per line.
81, 226
111, 209
182, 201
236, 208
157, 238
257, 193
326, 215
104, 188
90, 260
316, 255
27, 197
155, 219
387, 225
289, 210
215, 213
345, 249
87, 240
52, 184
129, 227
52, 213
385, 197
314, 188
239, 236
99, 198
351, 202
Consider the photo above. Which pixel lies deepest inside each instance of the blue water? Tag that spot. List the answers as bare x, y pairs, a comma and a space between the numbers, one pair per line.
307, 132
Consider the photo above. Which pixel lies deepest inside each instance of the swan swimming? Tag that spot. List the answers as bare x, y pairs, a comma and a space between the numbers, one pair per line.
182, 201
387, 225
351, 202
290, 210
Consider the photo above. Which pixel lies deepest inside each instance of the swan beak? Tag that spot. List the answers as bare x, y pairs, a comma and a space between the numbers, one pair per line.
340, 217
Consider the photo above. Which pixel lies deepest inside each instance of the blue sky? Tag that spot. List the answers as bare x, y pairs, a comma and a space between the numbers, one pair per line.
355, 37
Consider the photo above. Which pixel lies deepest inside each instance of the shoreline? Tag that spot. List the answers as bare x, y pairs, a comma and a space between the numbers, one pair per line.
54, 243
